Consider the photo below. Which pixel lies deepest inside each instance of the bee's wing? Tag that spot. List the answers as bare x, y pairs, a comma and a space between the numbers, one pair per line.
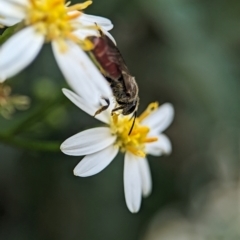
127, 78
130, 84
114, 53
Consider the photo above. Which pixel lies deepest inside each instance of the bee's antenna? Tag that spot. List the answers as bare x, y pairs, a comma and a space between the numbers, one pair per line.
134, 118
99, 29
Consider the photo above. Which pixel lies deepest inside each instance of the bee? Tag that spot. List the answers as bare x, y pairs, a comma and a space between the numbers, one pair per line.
113, 67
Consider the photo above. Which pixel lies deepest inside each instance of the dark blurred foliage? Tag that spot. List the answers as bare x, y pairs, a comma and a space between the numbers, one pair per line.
186, 52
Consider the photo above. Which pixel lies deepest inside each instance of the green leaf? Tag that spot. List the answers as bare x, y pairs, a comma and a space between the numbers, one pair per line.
7, 34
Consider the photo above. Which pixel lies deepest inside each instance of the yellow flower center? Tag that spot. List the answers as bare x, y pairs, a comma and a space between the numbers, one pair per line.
136, 141
54, 19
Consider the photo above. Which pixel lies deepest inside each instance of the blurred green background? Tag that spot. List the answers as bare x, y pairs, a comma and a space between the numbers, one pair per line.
186, 52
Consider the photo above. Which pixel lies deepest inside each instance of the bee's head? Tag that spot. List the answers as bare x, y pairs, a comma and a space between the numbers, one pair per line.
131, 107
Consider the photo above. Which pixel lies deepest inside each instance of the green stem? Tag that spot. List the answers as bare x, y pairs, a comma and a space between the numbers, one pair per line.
39, 114
50, 146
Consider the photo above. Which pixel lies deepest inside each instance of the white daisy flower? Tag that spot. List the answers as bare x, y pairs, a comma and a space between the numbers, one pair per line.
65, 26
100, 145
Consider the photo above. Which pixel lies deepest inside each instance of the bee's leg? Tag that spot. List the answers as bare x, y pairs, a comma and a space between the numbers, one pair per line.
108, 79
116, 109
103, 108
99, 30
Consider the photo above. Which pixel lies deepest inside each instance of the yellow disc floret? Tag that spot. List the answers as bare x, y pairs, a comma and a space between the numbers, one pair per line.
53, 18
136, 141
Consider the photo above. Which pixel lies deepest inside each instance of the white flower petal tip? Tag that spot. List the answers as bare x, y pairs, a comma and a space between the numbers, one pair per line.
165, 143
132, 210
167, 111
161, 147
96, 162
161, 119
132, 183
104, 23
88, 142
86, 105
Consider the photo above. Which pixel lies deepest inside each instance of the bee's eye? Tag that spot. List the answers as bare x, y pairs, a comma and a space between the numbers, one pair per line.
129, 110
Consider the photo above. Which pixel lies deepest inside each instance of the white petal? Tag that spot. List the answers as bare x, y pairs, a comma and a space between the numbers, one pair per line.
104, 23
20, 2
11, 9
132, 183
8, 21
162, 146
88, 142
145, 174
161, 118
81, 74
19, 51
87, 106
84, 33
74, 71
96, 162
